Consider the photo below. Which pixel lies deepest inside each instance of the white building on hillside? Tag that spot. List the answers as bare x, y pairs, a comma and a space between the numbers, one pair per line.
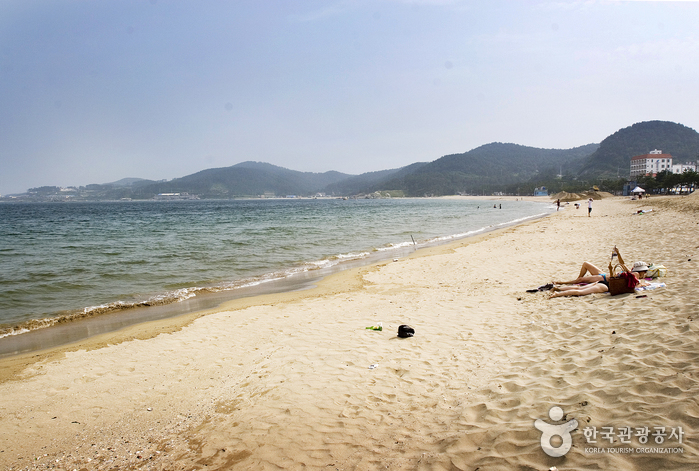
681, 168
650, 164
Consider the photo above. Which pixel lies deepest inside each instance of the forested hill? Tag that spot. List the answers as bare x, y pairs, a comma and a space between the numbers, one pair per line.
519, 169
246, 179
371, 181
488, 168
495, 167
614, 154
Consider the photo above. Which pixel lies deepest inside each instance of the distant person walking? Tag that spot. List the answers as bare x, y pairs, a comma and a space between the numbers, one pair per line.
558, 204
589, 207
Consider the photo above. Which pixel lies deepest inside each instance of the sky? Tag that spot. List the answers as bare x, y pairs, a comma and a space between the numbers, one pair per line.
93, 91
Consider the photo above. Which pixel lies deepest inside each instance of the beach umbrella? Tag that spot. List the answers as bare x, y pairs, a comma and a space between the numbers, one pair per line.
638, 189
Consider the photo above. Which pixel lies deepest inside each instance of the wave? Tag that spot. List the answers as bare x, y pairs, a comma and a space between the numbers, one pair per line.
182, 294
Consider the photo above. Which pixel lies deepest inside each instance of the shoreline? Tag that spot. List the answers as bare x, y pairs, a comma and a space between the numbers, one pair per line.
37, 335
316, 285
284, 380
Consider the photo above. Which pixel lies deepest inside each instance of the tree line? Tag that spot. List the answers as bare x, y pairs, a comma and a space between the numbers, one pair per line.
668, 182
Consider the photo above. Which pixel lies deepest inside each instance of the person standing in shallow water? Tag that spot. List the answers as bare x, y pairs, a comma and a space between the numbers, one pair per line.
558, 204
589, 207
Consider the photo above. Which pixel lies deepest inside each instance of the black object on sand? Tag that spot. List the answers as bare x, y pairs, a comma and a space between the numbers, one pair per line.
545, 287
405, 331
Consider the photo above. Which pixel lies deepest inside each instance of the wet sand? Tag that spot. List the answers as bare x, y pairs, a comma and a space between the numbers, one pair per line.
284, 380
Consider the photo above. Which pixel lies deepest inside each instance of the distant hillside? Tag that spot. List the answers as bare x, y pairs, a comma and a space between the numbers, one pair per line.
371, 181
246, 179
494, 167
614, 154
487, 168
126, 182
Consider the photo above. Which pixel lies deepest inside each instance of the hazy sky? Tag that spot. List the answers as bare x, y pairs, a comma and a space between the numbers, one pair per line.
95, 91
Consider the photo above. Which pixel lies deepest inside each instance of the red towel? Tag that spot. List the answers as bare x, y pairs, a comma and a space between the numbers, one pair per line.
631, 280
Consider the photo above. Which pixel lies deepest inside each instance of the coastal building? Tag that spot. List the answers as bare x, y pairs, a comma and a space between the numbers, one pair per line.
175, 196
681, 168
541, 191
650, 164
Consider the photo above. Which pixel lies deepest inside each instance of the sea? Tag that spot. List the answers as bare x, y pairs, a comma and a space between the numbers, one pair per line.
94, 267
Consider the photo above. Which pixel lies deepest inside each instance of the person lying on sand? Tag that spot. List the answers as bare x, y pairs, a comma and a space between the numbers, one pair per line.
596, 275
595, 282
580, 290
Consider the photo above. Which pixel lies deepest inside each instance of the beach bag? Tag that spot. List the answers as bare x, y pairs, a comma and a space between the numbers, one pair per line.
656, 271
621, 281
405, 331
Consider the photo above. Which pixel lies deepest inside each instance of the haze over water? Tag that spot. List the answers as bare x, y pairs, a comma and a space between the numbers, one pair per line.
71, 259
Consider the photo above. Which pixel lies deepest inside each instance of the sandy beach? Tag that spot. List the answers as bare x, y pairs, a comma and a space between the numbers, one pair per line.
295, 380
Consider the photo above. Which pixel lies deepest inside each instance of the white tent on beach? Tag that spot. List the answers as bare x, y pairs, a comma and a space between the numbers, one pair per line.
638, 189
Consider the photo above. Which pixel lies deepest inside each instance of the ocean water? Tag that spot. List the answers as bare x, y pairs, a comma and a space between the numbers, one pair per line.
64, 261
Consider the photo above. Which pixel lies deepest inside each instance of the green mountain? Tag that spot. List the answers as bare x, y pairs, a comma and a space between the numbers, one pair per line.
245, 179
486, 169
371, 181
519, 169
128, 182
614, 154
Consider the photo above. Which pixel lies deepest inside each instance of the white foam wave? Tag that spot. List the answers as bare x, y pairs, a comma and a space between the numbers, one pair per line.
396, 246
462, 235
352, 256
14, 332
177, 295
